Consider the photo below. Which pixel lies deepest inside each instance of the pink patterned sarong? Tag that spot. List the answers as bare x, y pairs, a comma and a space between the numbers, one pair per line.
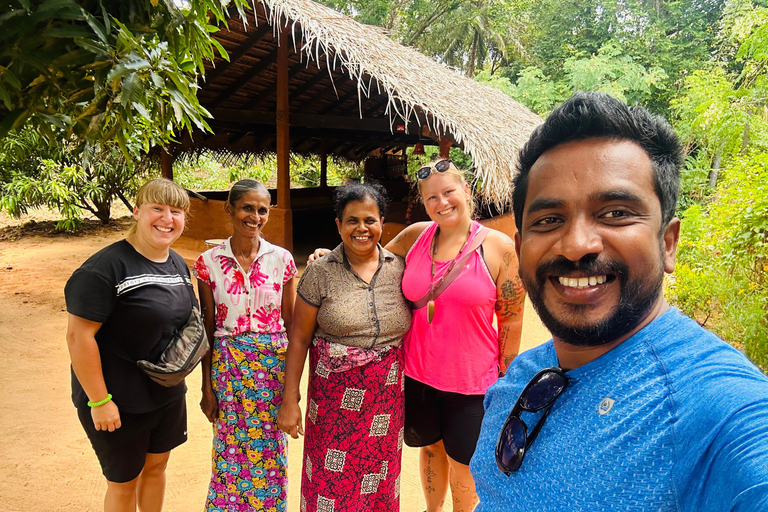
354, 429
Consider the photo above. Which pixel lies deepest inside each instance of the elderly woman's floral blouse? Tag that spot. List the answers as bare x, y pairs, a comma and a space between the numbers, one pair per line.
246, 301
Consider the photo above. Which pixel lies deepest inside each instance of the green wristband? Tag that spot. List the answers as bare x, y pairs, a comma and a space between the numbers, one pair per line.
100, 402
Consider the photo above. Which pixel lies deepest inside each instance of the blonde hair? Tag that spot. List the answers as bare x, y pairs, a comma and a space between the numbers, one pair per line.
162, 191
461, 177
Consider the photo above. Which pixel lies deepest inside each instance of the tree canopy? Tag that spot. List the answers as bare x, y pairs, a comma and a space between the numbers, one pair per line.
107, 71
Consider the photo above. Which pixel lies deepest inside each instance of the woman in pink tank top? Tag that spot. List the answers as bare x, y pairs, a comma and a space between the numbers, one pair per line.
453, 350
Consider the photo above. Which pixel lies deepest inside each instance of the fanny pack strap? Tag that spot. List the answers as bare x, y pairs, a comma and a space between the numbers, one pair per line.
187, 285
477, 241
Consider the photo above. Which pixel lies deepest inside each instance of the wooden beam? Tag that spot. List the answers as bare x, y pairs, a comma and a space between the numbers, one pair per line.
269, 91
376, 107
283, 126
344, 97
313, 98
303, 120
240, 81
324, 163
236, 137
242, 49
445, 148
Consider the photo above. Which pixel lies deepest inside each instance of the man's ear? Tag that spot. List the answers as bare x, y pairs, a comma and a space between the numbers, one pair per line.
671, 237
517, 246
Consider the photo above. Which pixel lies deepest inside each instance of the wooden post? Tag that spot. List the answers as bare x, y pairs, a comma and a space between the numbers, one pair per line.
283, 141
324, 163
445, 148
166, 164
283, 125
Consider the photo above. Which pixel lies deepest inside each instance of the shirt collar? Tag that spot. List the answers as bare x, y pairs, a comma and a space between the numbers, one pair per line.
264, 248
338, 256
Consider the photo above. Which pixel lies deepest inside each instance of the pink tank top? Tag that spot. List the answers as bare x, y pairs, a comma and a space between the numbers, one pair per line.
459, 350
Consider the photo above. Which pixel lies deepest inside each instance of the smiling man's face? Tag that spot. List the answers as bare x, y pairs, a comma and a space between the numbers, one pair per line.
592, 252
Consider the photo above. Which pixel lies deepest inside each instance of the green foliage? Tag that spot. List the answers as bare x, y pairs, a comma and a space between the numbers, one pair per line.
533, 88
610, 70
614, 72
694, 186
209, 171
212, 172
39, 174
106, 71
305, 171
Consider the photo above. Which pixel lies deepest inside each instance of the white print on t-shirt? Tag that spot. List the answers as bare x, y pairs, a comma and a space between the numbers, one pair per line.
134, 282
605, 406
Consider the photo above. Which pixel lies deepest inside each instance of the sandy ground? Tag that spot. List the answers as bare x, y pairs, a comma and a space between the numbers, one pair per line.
46, 462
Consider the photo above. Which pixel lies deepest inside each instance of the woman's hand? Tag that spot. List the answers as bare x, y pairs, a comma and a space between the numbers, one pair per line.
289, 419
317, 254
209, 404
106, 417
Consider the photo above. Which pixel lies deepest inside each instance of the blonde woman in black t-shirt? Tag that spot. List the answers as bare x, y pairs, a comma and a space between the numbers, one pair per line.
124, 304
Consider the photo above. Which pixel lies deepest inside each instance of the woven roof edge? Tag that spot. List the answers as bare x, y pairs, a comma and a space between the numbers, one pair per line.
490, 125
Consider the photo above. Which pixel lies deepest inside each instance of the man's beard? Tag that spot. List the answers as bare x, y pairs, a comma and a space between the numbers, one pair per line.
636, 297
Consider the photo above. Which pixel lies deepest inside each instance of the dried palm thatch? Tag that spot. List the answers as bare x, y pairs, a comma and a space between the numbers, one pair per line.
488, 124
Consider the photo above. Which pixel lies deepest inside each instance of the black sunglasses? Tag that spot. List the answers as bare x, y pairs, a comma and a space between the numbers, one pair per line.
540, 393
440, 166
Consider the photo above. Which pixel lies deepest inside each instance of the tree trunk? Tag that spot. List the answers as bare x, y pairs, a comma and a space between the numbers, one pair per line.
473, 54
745, 134
715, 167
102, 210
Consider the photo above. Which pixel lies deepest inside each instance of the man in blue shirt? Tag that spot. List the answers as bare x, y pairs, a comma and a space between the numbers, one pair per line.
631, 406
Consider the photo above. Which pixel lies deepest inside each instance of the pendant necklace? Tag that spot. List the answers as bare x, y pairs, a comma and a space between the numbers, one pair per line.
432, 284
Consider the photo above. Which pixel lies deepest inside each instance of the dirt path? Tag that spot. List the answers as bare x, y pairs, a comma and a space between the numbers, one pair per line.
46, 463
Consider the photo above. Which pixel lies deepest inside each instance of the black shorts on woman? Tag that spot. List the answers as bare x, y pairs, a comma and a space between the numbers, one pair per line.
433, 415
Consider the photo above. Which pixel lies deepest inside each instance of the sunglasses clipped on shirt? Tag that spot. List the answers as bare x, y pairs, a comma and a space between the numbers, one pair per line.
440, 166
540, 393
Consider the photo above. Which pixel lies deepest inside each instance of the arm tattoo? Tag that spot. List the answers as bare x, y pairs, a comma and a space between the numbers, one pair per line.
507, 260
510, 303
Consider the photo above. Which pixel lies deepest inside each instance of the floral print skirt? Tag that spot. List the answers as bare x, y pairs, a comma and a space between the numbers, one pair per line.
249, 451
354, 434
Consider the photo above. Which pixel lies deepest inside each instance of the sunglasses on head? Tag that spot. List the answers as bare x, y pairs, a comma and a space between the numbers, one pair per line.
540, 393
440, 166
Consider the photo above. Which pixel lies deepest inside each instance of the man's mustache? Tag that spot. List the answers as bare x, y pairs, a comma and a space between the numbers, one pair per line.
590, 264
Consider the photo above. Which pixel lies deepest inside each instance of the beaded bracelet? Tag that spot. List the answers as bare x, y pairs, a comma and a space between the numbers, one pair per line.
100, 402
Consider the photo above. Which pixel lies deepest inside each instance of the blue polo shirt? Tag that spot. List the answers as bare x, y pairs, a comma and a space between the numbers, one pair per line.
673, 419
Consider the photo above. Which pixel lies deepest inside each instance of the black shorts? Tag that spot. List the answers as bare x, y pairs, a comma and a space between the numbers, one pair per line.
122, 453
432, 415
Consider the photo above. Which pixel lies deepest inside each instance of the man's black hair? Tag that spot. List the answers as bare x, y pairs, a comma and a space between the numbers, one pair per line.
587, 115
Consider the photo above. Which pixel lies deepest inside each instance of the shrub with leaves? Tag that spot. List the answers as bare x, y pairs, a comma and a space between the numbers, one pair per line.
64, 177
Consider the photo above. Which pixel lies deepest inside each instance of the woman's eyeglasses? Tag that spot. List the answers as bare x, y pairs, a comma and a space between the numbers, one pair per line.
540, 393
440, 166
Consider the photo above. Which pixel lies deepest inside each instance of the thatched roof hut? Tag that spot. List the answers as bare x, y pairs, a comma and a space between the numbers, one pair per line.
347, 90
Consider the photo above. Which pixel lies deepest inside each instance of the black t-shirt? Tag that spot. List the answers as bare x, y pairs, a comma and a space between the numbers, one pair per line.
140, 303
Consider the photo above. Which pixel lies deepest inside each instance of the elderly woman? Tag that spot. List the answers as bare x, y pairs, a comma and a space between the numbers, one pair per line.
247, 292
125, 302
351, 310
